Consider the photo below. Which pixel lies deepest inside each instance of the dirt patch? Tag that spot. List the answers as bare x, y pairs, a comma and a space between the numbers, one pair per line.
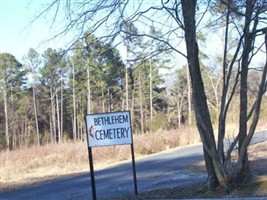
256, 188
257, 158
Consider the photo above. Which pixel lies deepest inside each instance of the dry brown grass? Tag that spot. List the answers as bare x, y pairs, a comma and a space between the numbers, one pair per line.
35, 163
257, 158
38, 162
163, 140
41, 163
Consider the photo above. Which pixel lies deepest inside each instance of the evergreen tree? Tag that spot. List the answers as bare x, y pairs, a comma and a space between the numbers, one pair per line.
33, 62
12, 78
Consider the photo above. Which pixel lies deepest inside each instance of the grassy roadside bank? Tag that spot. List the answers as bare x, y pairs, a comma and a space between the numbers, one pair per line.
37, 164
30, 165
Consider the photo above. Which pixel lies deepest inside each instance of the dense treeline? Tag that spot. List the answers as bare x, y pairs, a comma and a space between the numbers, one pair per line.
46, 97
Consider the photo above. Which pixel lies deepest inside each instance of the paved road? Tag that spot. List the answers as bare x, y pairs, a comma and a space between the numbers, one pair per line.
163, 170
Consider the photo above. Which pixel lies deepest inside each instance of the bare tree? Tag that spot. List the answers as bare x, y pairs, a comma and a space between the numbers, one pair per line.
181, 22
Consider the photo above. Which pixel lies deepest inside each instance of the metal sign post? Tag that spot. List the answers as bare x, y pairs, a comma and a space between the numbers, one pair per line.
134, 171
92, 173
106, 129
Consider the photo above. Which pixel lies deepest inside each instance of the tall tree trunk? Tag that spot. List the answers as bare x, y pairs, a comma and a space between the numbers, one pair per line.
122, 104
103, 102
88, 89
53, 110
109, 100
74, 128
243, 174
189, 96
223, 111
204, 125
78, 130
248, 39
178, 112
141, 102
12, 117
6, 121
133, 101
126, 77
35, 113
61, 106
14, 139
51, 129
58, 119
150, 91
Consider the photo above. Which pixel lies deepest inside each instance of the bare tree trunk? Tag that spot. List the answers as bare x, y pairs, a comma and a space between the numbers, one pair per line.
141, 103
51, 129
150, 91
78, 130
103, 102
61, 106
126, 77
133, 103
53, 110
74, 128
122, 104
178, 113
126, 87
222, 115
23, 127
6, 121
22, 135
88, 90
14, 139
12, 117
189, 96
58, 119
35, 113
215, 173
27, 134
179, 103
109, 100
243, 115
255, 111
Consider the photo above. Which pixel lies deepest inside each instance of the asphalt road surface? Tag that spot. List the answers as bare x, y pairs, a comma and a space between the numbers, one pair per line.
163, 170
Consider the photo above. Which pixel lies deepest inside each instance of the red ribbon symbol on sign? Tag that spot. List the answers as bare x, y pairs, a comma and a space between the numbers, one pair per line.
91, 132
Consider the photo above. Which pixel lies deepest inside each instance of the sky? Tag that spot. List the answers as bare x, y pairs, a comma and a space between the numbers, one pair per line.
18, 34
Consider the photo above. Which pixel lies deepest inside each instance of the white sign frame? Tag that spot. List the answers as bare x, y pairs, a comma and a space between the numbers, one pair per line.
105, 129
109, 129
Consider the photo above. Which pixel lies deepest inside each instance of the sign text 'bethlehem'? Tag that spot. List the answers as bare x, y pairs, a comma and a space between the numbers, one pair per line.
109, 129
